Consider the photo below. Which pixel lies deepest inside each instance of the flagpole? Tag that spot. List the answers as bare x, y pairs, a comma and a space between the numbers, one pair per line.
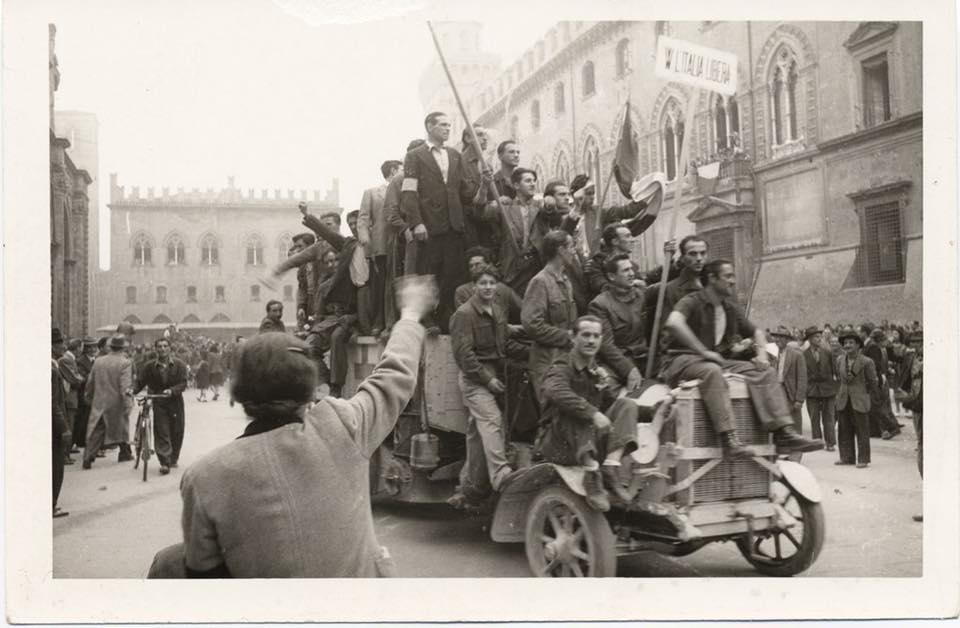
677, 194
463, 112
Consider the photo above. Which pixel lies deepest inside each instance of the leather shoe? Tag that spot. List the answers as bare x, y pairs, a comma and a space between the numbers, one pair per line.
596, 495
733, 448
124, 457
788, 441
841, 463
611, 480
57, 513
164, 469
863, 465
918, 518
87, 464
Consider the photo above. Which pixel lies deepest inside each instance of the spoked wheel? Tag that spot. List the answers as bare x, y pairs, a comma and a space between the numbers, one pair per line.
567, 538
144, 449
788, 551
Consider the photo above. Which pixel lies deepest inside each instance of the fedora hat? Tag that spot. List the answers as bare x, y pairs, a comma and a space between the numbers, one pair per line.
56, 336
119, 341
849, 333
810, 331
782, 332
89, 341
915, 336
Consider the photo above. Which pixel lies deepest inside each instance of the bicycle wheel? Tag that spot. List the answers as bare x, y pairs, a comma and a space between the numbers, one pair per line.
145, 445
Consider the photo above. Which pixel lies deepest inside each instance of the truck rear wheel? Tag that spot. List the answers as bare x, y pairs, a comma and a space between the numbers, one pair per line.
789, 551
567, 538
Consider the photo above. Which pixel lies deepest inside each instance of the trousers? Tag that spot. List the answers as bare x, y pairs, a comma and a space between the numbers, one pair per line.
80, 425
442, 257
569, 442
853, 426
486, 465
57, 458
918, 426
766, 393
822, 419
168, 427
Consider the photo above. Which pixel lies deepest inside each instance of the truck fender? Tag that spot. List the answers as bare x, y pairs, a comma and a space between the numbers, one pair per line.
510, 516
800, 479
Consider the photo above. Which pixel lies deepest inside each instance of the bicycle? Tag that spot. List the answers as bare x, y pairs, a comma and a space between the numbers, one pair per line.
143, 435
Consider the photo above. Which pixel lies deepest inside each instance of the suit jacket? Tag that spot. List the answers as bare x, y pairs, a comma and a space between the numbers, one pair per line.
794, 374
821, 374
72, 379
156, 380
427, 199
879, 356
857, 386
107, 393
371, 222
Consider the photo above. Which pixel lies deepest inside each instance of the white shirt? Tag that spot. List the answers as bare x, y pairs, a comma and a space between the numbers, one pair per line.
440, 156
719, 323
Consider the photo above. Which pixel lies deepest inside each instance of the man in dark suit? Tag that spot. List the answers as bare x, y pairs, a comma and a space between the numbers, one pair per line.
822, 385
436, 186
858, 384
166, 375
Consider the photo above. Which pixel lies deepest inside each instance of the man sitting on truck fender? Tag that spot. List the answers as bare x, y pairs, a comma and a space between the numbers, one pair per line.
583, 422
481, 345
709, 324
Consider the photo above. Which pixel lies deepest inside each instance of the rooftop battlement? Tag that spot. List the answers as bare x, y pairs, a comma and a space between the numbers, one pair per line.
229, 196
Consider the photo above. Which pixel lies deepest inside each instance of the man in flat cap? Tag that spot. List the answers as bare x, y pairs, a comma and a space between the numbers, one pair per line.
822, 385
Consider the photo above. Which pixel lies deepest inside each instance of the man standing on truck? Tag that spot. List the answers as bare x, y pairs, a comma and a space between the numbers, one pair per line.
481, 345
709, 328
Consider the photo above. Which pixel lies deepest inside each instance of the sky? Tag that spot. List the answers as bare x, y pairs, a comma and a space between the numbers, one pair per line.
188, 94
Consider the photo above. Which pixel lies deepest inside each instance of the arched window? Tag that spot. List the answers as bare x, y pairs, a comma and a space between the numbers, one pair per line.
671, 129
162, 319
175, 251
783, 97
254, 248
133, 320
191, 318
586, 78
559, 99
220, 318
591, 158
284, 244
535, 115
623, 58
161, 294
209, 250
515, 128
562, 169
142, 250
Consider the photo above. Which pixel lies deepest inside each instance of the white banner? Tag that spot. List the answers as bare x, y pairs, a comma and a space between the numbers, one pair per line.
696, 65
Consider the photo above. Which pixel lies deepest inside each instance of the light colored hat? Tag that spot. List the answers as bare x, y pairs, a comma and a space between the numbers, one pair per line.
118, 341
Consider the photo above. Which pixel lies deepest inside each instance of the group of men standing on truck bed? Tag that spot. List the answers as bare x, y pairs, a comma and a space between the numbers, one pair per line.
545, 280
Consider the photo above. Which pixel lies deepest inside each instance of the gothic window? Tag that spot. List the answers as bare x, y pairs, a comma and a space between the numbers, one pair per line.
535, 115
591, 158
671, 132
131, 294
161, 294
142, 250
726, 121
783, 97
162, 319
562, 170
876, 90
220, 318
254, 249
209, 251
133, 320
284, 244
559, 99
623, 58
587, 79
191, 294
288, 293
191, 318
175, 251
220, 294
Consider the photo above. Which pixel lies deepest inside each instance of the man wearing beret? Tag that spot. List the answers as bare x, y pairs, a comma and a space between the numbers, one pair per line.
858, 385
822, 385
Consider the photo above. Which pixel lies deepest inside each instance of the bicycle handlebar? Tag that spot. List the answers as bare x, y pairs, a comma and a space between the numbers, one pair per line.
144, 398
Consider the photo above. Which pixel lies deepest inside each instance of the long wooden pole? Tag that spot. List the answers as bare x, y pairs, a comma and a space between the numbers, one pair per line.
463, 112
677, 194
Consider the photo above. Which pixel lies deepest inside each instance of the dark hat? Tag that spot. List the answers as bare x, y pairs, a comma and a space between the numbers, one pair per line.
118, 341
811, 331
878, 334
56, 336
89, 341
916, 336
782, 332
126, 328
849, 333
579, 181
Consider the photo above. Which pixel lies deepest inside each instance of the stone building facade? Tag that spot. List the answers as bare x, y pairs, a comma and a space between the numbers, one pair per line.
819, 195
194, 258
69, 225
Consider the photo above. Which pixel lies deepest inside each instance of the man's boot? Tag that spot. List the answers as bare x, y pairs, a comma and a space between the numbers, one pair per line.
611, 480
733, 448
788, 441
596, 495
125, 454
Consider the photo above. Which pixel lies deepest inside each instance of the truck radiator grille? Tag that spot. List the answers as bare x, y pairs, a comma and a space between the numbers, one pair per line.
748, 428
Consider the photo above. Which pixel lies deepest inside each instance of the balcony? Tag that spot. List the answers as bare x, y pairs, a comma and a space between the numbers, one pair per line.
719, 170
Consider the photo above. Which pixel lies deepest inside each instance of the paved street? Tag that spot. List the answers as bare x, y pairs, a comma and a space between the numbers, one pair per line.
118, 522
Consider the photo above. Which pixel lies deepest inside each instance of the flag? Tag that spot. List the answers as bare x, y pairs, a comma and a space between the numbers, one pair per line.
627, 156
707, 177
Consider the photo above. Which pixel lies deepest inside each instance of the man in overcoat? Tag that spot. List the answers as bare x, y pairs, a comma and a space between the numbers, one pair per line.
58, 420
858, 385
822, 385
109, 392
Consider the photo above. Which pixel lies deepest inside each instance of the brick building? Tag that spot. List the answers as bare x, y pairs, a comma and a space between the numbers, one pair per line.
194, 258
69, 225
819, 196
